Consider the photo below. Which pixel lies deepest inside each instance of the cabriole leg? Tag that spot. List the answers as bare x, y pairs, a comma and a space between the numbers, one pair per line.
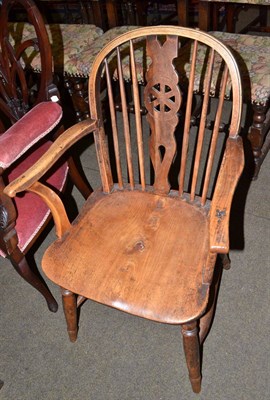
21, 265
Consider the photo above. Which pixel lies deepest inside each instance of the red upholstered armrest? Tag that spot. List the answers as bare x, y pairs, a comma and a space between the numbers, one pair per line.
33, 126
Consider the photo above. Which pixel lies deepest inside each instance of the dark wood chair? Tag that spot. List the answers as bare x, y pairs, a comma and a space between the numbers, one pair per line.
29, 103
149, 248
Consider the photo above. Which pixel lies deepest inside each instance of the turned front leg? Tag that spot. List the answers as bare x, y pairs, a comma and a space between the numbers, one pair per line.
70, 311
192, 352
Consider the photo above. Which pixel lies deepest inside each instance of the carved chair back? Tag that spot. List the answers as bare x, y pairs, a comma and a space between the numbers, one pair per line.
168, 96
19, 89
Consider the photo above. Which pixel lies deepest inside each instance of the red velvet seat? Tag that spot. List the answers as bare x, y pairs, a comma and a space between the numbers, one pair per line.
37, 123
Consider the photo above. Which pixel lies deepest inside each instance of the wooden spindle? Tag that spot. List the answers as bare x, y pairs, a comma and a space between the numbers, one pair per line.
214, 136
114, 126
138, 119
125, 120
187, 119
202, 125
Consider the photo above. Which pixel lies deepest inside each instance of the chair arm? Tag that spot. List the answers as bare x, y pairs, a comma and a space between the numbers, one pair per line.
230, 172
27, 131
57, 149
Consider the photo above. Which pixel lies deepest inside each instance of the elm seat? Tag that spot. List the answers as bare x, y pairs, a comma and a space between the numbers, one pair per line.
125, 231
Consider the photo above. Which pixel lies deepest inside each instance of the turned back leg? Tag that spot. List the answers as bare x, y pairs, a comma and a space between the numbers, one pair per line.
192, 352
70, 311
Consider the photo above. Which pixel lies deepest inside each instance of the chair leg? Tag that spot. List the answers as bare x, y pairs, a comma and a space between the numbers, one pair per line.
80, 182
207, 319
226, 262
192, 352
21, 265
78, 94
256, 135
70, 310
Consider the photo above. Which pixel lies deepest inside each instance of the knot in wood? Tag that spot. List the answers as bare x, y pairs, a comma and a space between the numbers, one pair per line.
220, 214
139, 246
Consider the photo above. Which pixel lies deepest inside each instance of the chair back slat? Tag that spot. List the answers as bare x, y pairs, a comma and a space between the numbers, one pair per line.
114, 126
214, 136
125, 119
187, 119
156, 71
202, 124
138, 118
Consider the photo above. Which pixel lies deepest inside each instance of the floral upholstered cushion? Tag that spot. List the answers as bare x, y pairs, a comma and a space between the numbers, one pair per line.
68, 41
81, 44
252, 54
81, 64
74, 47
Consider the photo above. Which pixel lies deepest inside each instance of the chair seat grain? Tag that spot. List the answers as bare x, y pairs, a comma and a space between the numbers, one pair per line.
135, 255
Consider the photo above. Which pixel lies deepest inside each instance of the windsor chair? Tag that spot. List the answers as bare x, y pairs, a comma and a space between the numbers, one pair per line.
29, 112
149, 248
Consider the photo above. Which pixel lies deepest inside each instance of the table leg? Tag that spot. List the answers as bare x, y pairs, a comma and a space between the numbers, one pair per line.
204, 13
182, 12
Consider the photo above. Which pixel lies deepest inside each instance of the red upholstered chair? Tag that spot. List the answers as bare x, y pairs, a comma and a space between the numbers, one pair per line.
26, 104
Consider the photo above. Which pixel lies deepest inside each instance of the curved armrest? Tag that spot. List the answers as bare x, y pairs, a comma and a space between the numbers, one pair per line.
27, 131
230, 172
57, 149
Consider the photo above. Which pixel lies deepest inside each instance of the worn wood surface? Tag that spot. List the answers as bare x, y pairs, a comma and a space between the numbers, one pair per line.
126, 255
148, 248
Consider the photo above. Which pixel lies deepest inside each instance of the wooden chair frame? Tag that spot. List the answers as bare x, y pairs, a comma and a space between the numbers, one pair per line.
194, 319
